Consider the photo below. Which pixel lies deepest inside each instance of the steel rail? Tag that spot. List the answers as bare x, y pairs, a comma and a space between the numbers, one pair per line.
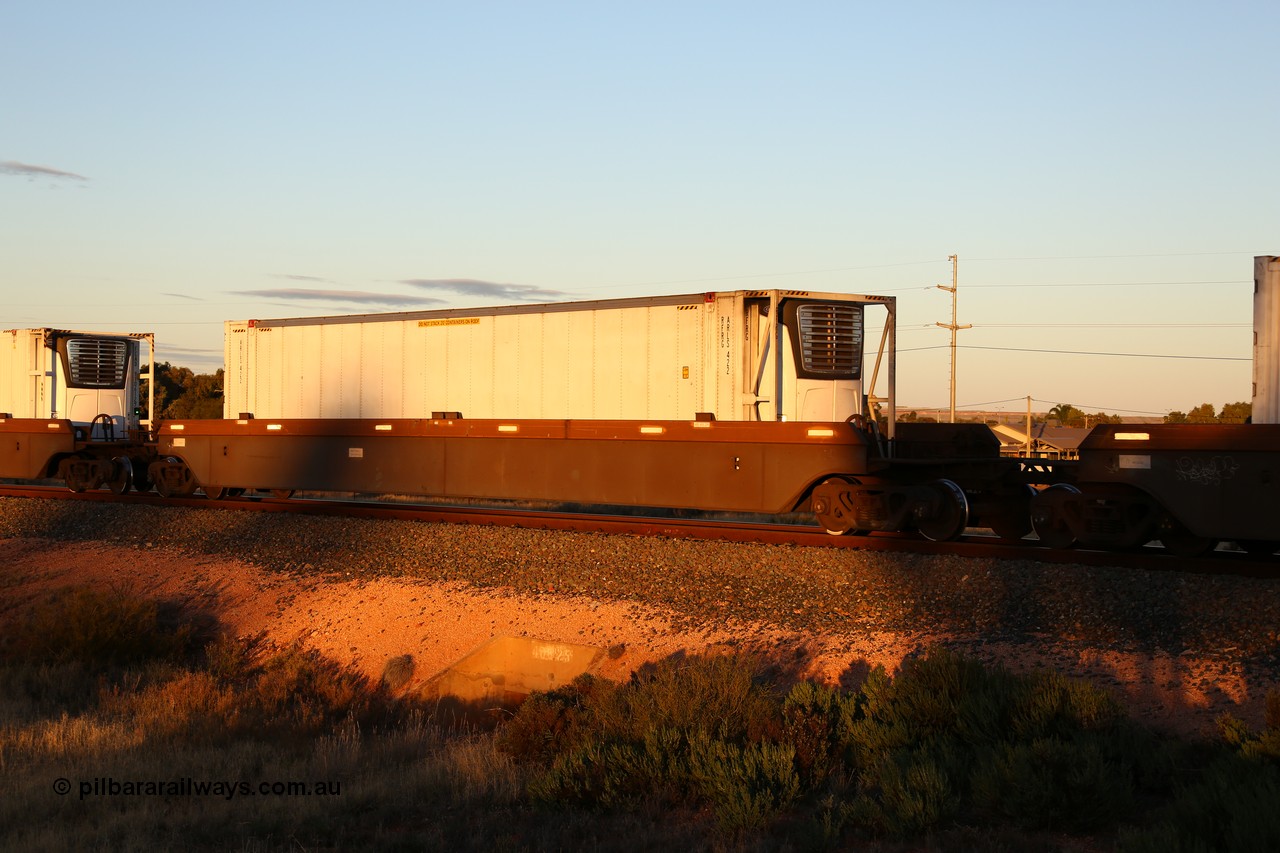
973, 545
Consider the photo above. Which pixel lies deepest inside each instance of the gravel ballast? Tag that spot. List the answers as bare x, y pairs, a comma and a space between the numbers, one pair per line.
1048, 614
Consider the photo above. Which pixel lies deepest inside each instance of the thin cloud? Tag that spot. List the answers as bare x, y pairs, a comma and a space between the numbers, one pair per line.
183, 296
194, 359
312, 278
486, 289
27, 170
357, 297
189, 351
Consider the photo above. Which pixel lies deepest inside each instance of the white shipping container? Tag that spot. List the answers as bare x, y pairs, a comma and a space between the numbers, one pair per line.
661, 358
77, 376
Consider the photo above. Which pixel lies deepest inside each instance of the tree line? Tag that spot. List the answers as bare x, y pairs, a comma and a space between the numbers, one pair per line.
1232, 413
1067, 415
183, 394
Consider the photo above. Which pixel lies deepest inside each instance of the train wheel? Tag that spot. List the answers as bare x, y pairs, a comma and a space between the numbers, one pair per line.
162, 488
81, 473
1181, 542
1011, 519
282, 494
215, 493
836, 520
1047, 516
170, 484
1187, 544
141, 481
121, 480
946, 517
1257, 547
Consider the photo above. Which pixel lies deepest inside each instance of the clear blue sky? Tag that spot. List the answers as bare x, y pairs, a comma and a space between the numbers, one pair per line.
1105, 171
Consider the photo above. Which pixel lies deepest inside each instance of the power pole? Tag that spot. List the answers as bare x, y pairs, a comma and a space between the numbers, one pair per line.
955, 279
1028, 447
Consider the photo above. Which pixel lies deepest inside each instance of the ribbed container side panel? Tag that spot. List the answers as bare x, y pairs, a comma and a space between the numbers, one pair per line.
1266, 339
21, 365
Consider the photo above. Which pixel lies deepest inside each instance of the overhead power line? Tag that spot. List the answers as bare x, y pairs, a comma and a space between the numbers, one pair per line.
939, 260
1110, 326
1118, 283
1083, 406
1086, 352
749, 276
1050, 403
1117, 354
1111, 257
995, 402
971, 407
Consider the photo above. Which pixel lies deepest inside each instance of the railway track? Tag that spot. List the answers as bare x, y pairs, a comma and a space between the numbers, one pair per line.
972, 544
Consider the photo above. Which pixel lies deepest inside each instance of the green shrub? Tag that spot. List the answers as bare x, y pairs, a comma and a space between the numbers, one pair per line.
946, 745
1263, 745
617, 774
951, 738
300, 691
728, 696
907, 793
939, 697
818, 722
725, 696
1051, 705
691, 733
232, 659
945, 695
747, 786
920, 704
99, 629
1232, 806
1053, 784
552, 723
292, 693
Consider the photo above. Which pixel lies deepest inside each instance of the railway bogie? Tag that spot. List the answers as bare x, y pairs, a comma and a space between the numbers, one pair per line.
1187, 486
936, 479
173, 478
938, 510
40, 449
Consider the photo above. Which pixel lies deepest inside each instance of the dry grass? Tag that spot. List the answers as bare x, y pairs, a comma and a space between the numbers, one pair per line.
130, 724
162, 734
136, 710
